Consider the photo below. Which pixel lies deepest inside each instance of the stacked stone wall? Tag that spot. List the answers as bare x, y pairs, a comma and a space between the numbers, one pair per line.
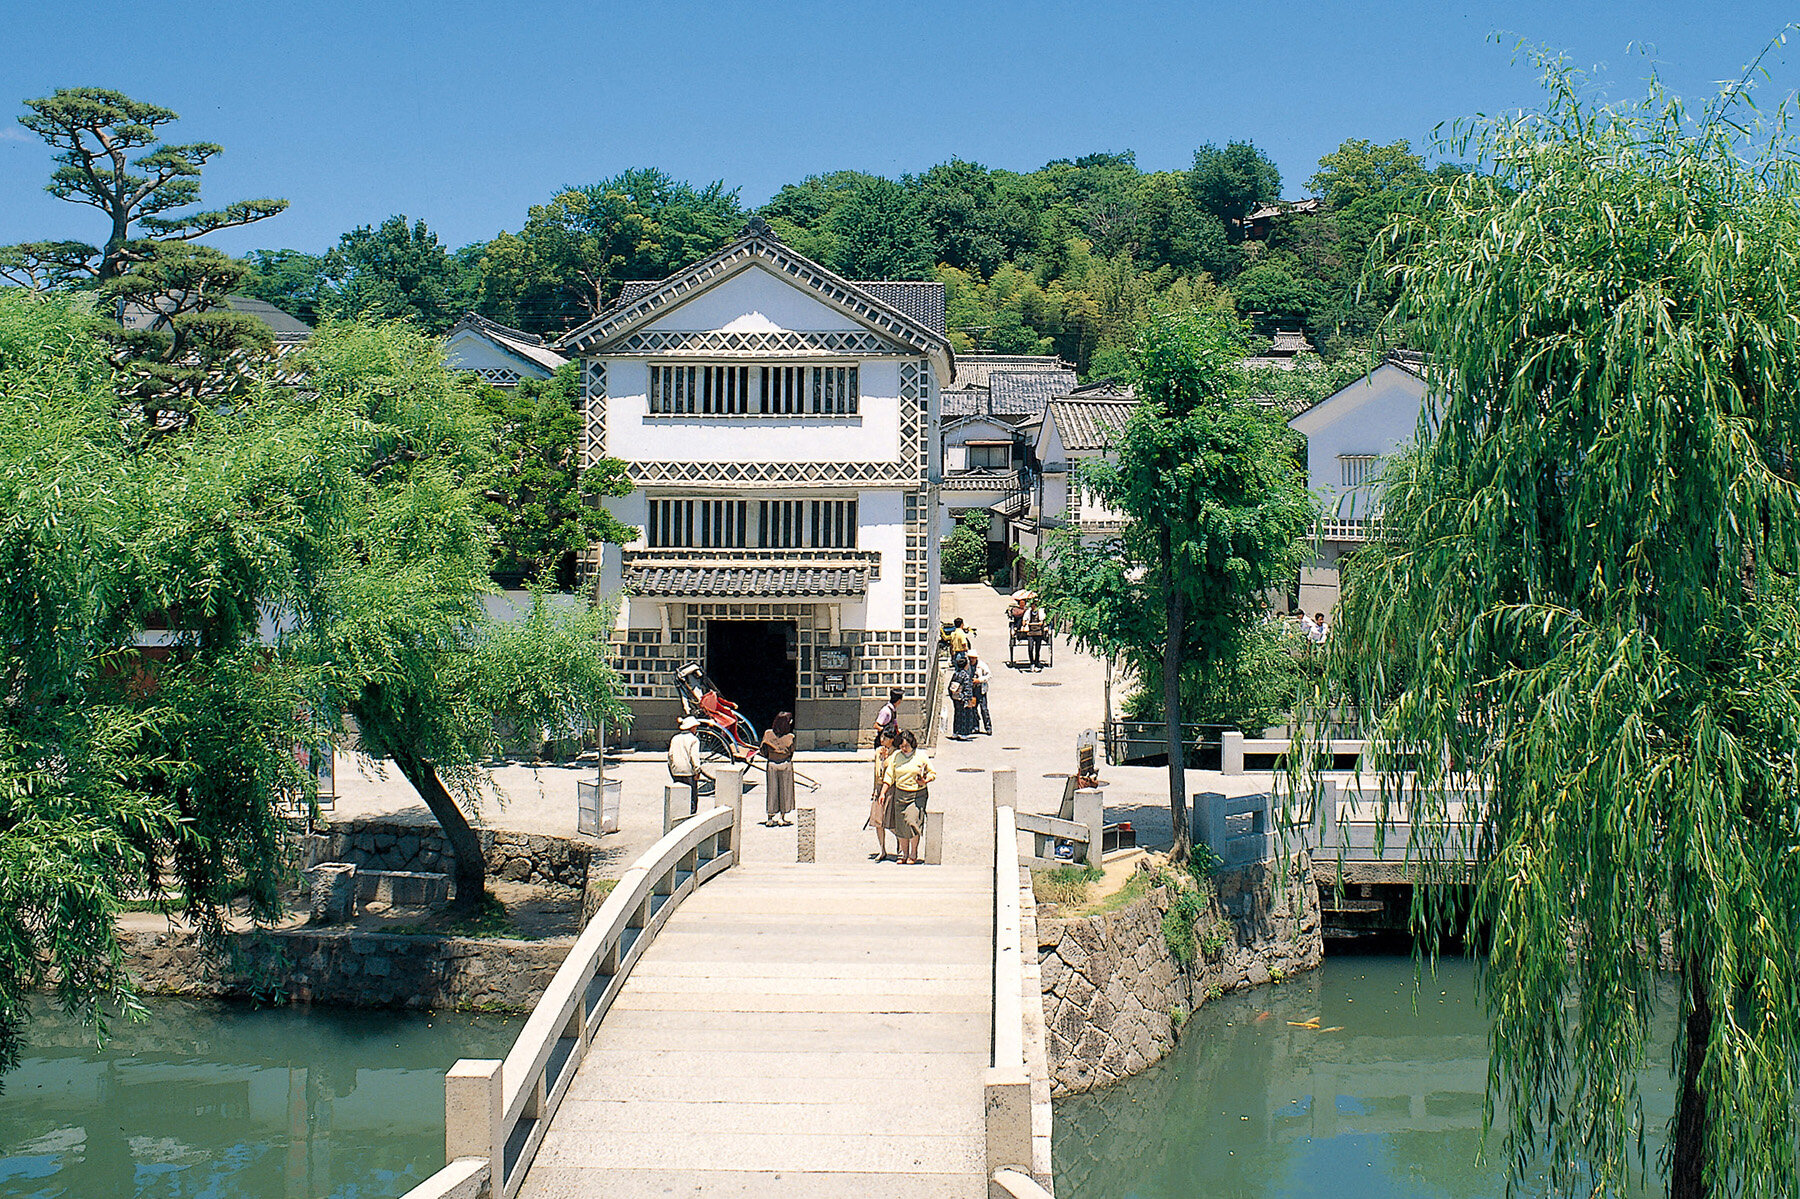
348, 969
557, 864
1115, 996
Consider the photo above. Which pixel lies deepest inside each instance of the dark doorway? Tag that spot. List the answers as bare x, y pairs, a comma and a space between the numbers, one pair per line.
749, 661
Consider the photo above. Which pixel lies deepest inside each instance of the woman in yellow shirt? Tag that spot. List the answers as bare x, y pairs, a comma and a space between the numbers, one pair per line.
907, 779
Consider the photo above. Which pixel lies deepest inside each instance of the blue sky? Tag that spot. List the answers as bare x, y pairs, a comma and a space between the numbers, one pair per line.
466, 114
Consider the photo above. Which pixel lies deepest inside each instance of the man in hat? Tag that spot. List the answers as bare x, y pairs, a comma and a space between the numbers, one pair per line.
684, 760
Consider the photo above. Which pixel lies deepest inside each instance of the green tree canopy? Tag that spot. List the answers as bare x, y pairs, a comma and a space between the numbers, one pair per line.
1583, 609
397, 270
572, 255
1229, 183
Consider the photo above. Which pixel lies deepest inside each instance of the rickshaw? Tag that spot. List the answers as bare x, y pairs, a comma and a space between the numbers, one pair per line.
726, 734
1020, 632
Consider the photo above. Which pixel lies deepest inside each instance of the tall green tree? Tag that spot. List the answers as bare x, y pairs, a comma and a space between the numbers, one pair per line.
569, 259
1583, 610
537, 497
125, 770
397, 270
1230, 182
147, 198
397, 616
1216, 515
880, 233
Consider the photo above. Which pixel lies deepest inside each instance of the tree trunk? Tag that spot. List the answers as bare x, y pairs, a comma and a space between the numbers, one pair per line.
470, 874
1687, 1164
1171, 680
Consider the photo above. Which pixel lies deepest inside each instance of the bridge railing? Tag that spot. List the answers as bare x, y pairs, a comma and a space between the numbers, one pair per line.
1014, 1154
496, 1112
1242, 829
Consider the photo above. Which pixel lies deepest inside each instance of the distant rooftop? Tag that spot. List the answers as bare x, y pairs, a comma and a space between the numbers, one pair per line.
527, 345
285, 326
920, 300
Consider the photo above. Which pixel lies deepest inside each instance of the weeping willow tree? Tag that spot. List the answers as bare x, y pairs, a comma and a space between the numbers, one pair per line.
1583, 610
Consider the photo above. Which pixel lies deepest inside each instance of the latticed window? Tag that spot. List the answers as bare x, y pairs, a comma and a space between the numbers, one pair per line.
1358, 469
807, 524
698, 524
715, 390
701, 390
739, 524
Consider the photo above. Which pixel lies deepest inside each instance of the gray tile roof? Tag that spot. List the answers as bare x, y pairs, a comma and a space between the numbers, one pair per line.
974, 370
637, 289
963, 403
759, 581
922, 301
1024, 393
1088, 424
980, 480
285, 326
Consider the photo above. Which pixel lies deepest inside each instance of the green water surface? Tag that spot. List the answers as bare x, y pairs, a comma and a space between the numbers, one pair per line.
214, 1101
1381, 1101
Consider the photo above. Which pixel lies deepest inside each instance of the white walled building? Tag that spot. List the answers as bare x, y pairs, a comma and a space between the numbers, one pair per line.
500, 354
1074, 429
1349, 435
781, 424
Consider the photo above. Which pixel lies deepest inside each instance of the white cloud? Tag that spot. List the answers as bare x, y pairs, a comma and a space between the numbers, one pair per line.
10, 134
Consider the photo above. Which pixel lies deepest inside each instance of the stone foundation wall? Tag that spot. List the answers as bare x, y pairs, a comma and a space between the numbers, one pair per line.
348, 969
558, 864
1113, 992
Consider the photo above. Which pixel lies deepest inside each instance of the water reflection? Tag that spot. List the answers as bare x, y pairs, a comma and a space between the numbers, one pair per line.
1334, 1084
220, 1102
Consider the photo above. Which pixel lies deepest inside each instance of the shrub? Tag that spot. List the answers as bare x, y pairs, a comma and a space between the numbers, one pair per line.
1066, 885
962, 557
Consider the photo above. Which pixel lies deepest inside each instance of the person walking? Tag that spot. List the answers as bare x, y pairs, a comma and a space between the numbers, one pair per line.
982, 677
1037, 631
777, 749
880, 818
684, 760
962, 701
907, 777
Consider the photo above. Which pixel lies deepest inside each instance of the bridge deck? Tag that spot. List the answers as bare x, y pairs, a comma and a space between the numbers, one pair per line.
795, 1030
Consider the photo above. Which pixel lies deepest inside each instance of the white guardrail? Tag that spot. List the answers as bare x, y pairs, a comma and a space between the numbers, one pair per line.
496, 1112
1007, 1085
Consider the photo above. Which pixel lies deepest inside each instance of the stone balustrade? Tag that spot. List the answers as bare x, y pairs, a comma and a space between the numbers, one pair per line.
496, 1112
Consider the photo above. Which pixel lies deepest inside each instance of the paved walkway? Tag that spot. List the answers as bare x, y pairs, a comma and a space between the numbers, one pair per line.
795, 1031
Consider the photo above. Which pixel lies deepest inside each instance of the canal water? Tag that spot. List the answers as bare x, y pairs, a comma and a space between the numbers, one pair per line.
213, 1101
1381, 1100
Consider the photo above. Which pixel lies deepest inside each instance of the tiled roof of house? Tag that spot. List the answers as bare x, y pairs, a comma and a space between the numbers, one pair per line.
981, 480
1088, 424
922, 301
758, 582
285, 326
1024, 393
527, 345
1104, 389
973, 370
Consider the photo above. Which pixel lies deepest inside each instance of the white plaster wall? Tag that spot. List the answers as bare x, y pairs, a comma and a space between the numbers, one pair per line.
883, 517
467, 352
633, 434
1375, 415
754, 300
1056, 495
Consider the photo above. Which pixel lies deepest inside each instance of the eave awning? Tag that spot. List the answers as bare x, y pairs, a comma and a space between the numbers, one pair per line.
749, 581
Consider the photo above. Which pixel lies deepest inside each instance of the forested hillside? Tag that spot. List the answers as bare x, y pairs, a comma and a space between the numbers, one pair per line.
1065, 259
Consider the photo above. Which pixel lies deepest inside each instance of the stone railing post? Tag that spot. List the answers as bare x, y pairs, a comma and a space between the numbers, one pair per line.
1006, 788
474, 1106
1090, 809
1231, 752
728, 792
676, 800
1209, 822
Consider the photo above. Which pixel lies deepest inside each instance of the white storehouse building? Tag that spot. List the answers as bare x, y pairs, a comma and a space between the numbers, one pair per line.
501, 355
781, 425
1350, 435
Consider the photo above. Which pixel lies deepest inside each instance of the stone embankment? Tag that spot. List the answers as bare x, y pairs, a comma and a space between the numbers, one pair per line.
558, 865
1115, 996
345, 968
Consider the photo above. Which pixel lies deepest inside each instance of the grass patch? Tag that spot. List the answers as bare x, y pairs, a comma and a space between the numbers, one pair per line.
603, 887
1068, 886
1135, 886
